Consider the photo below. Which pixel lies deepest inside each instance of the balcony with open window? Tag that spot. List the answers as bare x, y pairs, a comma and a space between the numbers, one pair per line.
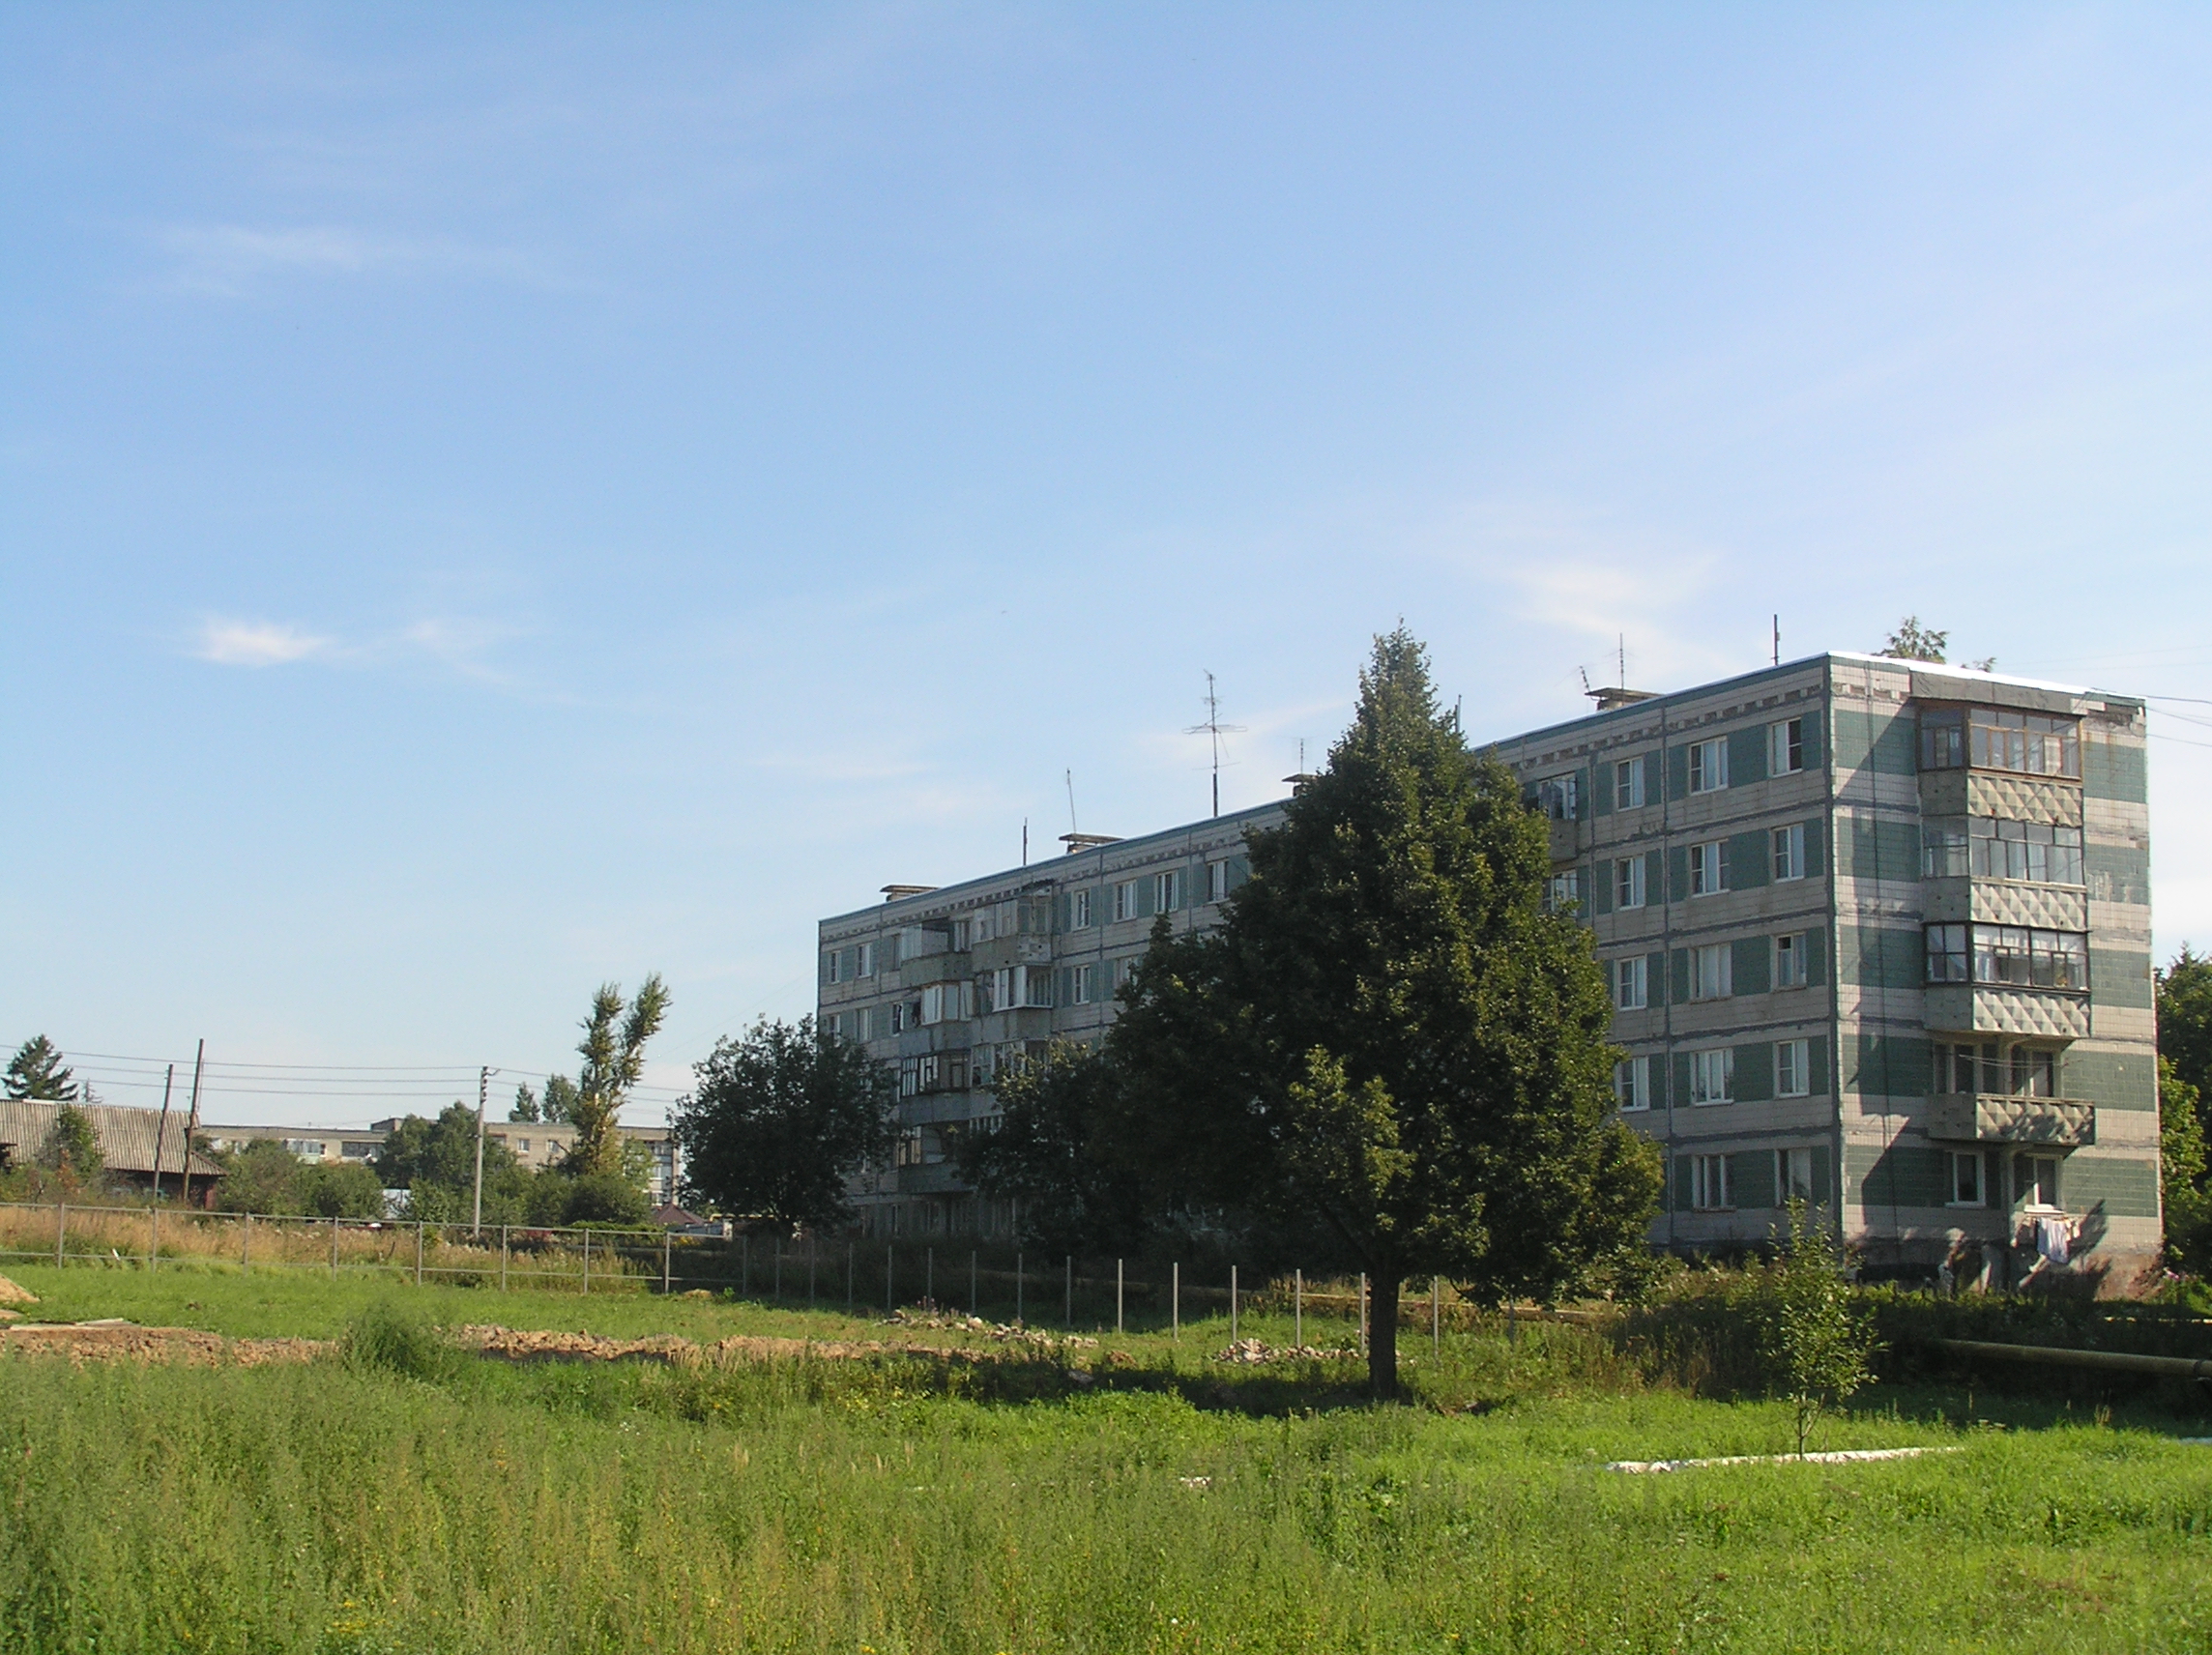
1998, 1091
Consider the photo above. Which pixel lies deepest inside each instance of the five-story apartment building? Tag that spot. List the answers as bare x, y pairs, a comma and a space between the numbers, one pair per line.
1878, 935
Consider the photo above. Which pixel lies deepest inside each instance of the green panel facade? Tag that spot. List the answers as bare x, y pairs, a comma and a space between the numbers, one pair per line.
1882, 847
1903, 1175
2111, 769
1884, 742
2109, 1080
2116, 1188
1883, 957
1888, 1066
1750, 964
2121, 977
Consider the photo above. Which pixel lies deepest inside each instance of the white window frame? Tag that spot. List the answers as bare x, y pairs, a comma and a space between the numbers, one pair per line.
1965, 1158
1629, 890
1709, 764
1712, 970
1787, 1184
1167, 891
1080, 980
1712, 1076
1709, 1190
865, 961
2027, 1195
1632, 1084
832, 959
1789, 961
1079, 910
1563, 891
1788, 847
1628, 784
1793, 1068
1631, 983
1708, 868
1217, 882
1779, 747
1125, 900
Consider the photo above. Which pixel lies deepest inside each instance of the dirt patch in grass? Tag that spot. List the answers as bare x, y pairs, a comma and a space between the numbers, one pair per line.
527, 1345
126, 1342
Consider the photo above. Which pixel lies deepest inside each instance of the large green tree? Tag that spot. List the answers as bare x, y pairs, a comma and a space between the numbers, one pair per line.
37, 1071
1043, 1153
777, 1123
1389, 1032
613, 1049
440, 1152
2185, 1107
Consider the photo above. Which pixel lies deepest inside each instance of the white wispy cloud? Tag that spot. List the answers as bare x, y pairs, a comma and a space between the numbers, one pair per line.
231, 260
257, 643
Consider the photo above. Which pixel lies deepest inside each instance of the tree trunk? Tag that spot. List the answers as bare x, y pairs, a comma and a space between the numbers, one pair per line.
1383, 1335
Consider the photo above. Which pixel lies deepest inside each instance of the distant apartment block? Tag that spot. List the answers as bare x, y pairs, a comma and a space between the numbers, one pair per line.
1876, 931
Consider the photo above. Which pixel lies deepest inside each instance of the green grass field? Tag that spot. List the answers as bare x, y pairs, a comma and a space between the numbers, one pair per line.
908, 1505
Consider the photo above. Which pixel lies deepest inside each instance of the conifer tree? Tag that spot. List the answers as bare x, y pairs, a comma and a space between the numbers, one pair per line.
1389, 1032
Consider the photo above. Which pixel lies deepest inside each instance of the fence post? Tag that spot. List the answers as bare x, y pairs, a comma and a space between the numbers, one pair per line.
246, 1244
417, 1252
1435, 1315
587, 1261
334, 1248
1299, 1309
1232, 1304
666, 1245
153, 1241
776, 1279
1363, 1313
1072, 1293
1117, 1323
929, 1278
502, 1257
813, 1251
1175, 1300
890, 1304
848, 1278
61, 1229
971, 1281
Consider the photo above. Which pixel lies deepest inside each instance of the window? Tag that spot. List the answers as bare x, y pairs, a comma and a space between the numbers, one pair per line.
2027, 958
947, 1002
359, 1151
2039, 1181
1628, 785
1032, 985
1793, 1068
1628, 882
1966, 1181
1786, 748
1078, 910
1079, 981
1948, 953
1125, 968
2038, 852
1709, 975
306, 1148
1712, 1076
1631, 984
1943, 739
2000, 739
1557, 797
905, 1014
1789, 959
1216, 882
1632, 1083
1709, 764
864, 960
1789, 845
1943, 850
1709, 1182
1166, 891
2034, 1071
959, 933
1708, 872
831, 959
1794, 1175
1125, 900
984, 926
1563, 892
1960, 1069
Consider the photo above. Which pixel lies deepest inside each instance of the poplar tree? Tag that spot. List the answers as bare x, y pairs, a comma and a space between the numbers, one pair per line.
613, 1049
1389, 1032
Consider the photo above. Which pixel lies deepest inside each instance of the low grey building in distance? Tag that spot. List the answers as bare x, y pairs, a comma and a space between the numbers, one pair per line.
1878, 933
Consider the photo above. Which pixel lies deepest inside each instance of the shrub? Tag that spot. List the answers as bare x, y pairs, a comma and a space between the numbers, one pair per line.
605, 1198
387, 1339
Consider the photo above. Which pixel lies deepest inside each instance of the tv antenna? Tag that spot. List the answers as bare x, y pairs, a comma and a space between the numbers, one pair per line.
1214, 729
1072, 827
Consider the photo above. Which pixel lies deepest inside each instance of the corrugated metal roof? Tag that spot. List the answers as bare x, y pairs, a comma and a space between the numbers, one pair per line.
126, 1136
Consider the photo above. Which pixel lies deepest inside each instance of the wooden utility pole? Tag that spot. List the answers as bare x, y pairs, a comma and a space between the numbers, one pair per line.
192, 1120
162, 1131
483, 1091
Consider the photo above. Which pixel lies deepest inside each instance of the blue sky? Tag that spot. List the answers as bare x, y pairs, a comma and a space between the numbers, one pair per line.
497, 502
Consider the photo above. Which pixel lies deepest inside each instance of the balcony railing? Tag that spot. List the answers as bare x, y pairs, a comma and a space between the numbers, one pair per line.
2005, 1117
